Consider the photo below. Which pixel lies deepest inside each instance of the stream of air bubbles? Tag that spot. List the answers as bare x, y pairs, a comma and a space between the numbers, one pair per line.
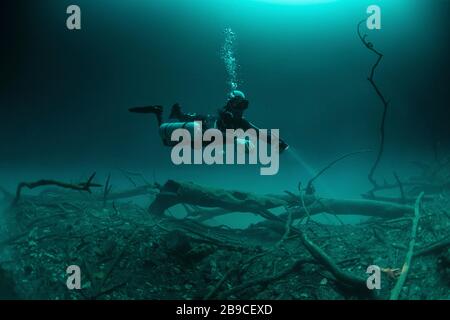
229, 58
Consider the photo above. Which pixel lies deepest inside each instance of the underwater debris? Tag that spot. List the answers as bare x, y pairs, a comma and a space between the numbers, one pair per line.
137, 255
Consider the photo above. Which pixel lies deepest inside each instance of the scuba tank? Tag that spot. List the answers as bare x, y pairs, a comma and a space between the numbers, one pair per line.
166, 130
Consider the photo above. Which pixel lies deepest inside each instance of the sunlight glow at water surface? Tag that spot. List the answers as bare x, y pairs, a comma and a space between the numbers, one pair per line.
295, 2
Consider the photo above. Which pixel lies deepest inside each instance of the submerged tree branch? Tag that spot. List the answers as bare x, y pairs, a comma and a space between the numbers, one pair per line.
265, 280
175, 192
369, 46
84, 186
356, 283
332, 163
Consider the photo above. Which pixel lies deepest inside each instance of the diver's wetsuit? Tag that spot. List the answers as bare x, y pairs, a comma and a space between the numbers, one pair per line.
229, 117
177, 115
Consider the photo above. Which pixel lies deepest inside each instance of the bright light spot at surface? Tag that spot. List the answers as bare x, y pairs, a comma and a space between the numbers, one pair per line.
295, 2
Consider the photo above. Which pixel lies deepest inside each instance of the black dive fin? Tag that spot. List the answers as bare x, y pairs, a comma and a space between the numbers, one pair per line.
149, 109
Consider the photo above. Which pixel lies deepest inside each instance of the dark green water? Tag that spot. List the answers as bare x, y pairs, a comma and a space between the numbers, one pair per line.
64, 95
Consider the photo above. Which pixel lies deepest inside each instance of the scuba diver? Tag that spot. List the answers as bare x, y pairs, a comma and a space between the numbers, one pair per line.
229, 117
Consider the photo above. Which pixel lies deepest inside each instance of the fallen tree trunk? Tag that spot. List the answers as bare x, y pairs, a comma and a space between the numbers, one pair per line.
173, 193
361, 207
394, 199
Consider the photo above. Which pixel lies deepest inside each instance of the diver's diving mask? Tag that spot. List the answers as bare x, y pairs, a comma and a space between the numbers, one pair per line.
237, 101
